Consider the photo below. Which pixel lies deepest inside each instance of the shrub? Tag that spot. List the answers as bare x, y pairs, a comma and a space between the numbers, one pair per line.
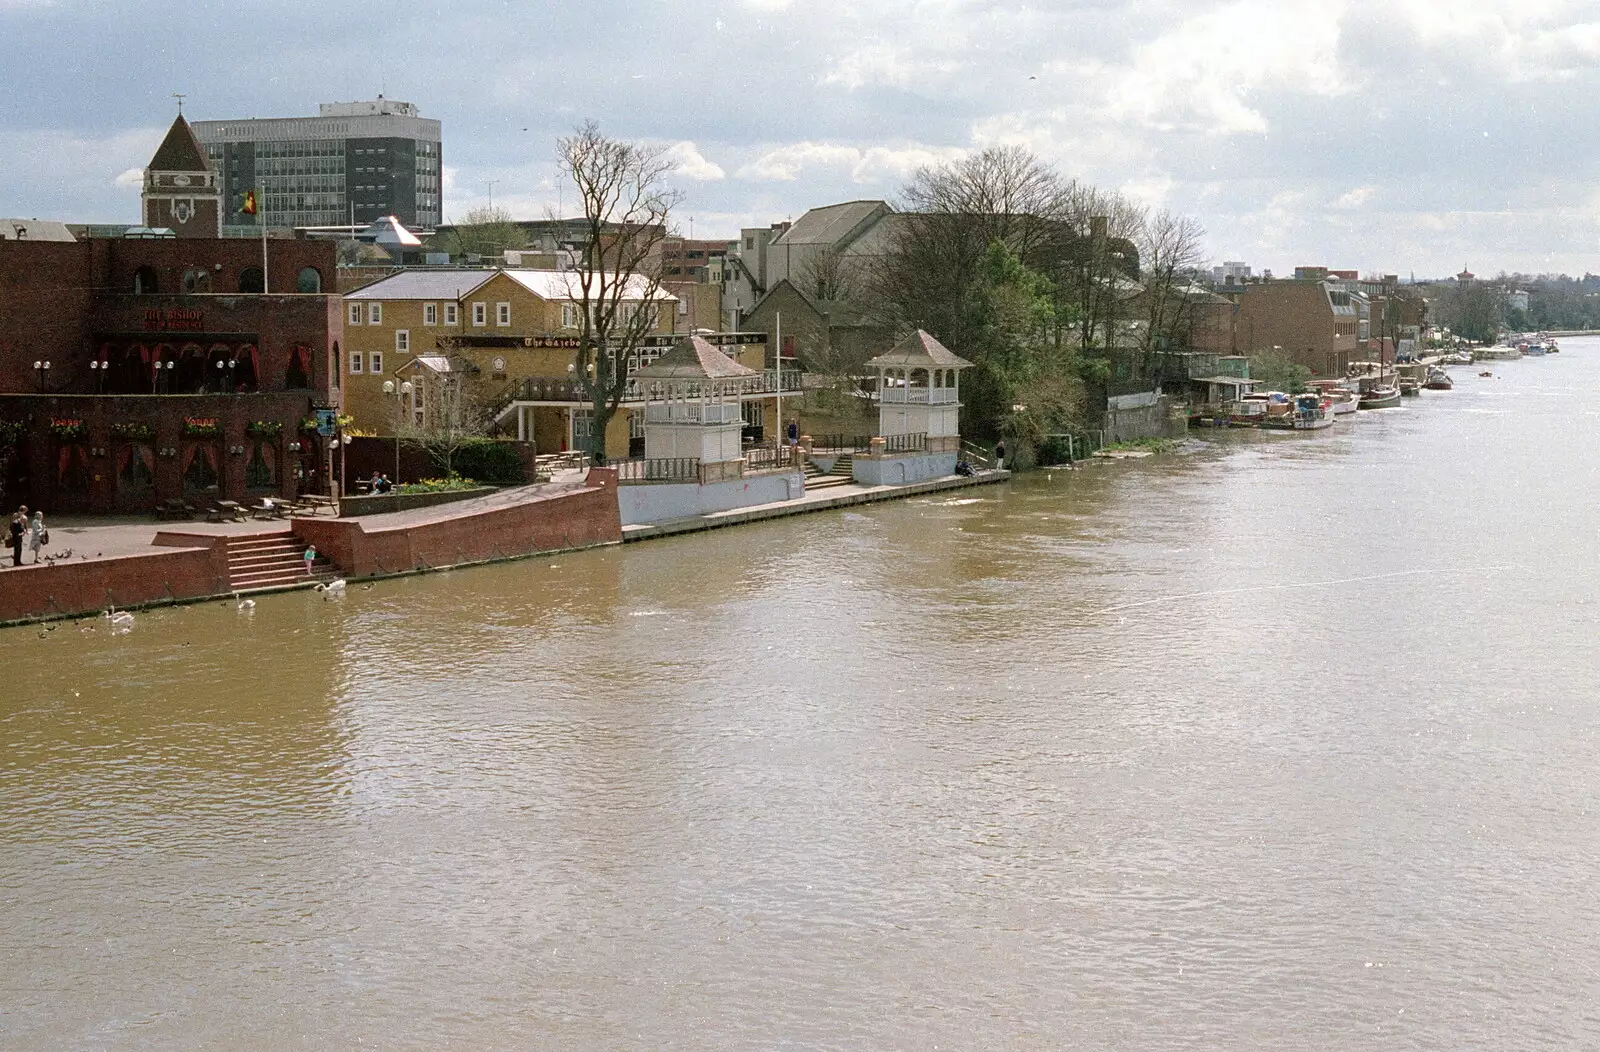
495, 463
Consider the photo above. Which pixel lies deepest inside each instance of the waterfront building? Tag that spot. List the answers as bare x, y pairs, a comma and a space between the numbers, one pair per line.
919, 410
515, 332
1315, 323
695, 460
134, 371
351, 164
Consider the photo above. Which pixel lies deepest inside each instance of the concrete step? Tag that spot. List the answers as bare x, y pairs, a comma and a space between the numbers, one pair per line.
271, 578
826, 482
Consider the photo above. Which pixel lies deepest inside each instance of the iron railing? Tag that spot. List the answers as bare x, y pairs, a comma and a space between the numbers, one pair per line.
841, 443
660, 469
761, 458
905, 443
566, 389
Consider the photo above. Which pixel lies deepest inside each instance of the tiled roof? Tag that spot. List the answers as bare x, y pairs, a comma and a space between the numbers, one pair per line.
423, 285
830, 224
693, 359
919, 351
567, 285
180, 151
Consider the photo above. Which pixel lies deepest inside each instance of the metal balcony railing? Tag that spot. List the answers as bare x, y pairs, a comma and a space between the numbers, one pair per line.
661, 469
911, 443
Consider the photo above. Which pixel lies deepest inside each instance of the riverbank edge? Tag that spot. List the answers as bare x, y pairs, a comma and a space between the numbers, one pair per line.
806, 504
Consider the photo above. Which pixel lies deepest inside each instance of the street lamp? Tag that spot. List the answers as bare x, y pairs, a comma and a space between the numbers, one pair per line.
167, 367
98, 367
43, 369
399, 394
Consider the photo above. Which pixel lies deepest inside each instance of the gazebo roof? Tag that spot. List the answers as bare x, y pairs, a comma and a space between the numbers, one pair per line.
693, 359
919, 351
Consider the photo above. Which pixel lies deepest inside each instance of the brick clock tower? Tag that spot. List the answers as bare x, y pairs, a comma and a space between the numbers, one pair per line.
181, 189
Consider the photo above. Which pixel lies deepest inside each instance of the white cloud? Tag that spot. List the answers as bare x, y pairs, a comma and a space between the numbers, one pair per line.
874, 164
1355, 197
883, 64
1202, 75
132, 179
689, 163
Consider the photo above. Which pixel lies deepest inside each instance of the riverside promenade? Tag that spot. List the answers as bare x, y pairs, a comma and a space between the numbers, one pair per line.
97, 564
822, 500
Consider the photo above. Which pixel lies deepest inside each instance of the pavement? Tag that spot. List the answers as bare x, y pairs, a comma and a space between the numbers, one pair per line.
87, 537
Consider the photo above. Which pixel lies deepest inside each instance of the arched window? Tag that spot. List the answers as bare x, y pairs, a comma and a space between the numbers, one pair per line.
144, 281
310, 280
334, 365
250, 280
297, 375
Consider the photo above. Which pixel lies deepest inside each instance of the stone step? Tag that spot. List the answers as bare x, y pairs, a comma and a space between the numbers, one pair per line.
267, 578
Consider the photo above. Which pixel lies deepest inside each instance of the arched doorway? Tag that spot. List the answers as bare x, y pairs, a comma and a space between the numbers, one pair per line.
251, 280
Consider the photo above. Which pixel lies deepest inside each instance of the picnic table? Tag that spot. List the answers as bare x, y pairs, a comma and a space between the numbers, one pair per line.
270, 508
173, 508
311, 503
227, 511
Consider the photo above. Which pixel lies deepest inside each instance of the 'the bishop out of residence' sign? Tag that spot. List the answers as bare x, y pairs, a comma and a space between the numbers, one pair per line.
174, 319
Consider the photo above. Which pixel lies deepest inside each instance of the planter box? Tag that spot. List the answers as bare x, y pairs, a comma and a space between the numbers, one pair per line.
378, 503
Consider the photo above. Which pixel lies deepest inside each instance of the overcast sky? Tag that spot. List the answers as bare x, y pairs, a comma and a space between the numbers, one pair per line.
1407, 135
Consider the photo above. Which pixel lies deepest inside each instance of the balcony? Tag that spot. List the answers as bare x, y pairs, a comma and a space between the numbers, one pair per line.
692, 413
918, 396
566, 389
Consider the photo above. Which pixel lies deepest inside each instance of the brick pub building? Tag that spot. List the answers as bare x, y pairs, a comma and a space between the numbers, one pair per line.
133, 371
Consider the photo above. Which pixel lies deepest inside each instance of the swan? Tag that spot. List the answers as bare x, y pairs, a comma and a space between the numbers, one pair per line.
244, 606
335, 586
121, 621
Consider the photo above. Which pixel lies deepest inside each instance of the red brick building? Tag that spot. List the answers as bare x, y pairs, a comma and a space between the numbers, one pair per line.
133, 371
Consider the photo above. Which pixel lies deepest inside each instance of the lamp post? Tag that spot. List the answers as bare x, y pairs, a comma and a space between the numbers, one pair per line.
399, 394
165, 367
43, 369
98, 368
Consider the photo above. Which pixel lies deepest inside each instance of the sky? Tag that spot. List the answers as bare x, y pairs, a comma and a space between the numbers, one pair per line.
1407, 136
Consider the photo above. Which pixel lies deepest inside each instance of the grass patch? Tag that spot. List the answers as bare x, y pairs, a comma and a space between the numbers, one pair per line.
1150, 445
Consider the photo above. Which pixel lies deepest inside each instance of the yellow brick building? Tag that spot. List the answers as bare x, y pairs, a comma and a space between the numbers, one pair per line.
514, 333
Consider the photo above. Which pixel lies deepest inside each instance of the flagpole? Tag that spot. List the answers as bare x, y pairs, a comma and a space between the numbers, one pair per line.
261, 217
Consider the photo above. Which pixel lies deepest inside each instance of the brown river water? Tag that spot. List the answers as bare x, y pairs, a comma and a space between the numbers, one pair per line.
1283, 742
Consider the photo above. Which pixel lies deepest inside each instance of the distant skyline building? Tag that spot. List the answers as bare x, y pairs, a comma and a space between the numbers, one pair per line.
351, 164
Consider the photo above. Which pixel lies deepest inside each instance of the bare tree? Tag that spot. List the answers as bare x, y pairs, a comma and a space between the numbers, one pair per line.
826, 275
1170, 248
616, 282
454, 413
484, 231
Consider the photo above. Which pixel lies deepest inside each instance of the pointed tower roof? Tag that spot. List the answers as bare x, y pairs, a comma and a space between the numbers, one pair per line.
919, 351
693, 359
180, 151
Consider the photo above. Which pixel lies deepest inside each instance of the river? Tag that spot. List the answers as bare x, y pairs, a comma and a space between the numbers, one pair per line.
1284, 742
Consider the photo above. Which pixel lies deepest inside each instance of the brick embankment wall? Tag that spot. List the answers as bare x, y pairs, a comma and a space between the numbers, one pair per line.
86, 587
572, 519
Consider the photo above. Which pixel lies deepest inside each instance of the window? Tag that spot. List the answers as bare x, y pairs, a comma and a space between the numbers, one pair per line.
450, 315
355, 362
251, 281
375, 363
374, 314
569, 315
502, 314
430, 314
402, 341
480, 314
309, 280
750, 243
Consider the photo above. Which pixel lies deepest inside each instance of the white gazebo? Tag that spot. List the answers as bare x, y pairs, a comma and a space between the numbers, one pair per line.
692, 409
919, 396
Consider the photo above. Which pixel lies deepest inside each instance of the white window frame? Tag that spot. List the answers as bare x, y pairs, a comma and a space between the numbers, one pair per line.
502, 314
355, 363
480, 314
374, 363
569, 315
374, 314
402, 341
355, 314
452, 313
430, 314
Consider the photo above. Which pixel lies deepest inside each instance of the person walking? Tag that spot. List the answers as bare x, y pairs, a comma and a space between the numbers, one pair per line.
999, 455
19, 528
36, 534
310, 557
794, 433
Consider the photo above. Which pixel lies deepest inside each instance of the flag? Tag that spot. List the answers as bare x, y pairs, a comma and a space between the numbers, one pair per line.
249, 206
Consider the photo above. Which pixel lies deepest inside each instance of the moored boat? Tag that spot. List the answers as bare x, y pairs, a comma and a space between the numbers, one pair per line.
1438, 380
1380, 398
1410, 386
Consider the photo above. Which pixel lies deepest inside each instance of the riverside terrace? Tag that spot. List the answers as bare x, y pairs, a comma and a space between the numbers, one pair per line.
138, 371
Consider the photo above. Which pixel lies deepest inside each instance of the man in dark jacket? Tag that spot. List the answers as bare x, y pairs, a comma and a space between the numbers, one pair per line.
19, 529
